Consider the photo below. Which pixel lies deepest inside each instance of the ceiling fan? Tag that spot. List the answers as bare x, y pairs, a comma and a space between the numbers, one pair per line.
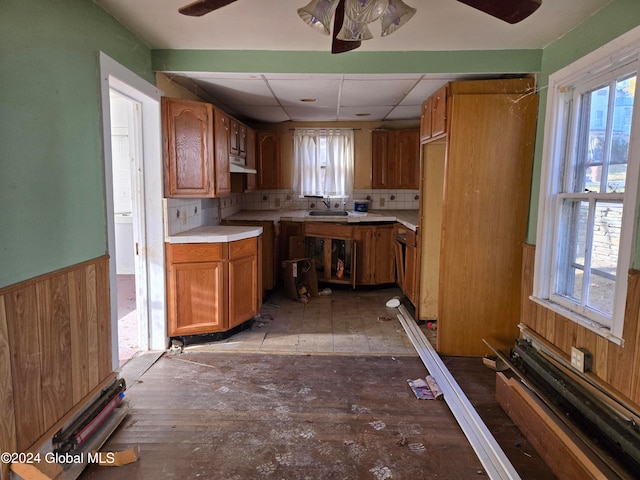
510, 11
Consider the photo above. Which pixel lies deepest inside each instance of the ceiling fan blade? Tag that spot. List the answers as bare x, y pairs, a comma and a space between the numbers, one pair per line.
202, 7
510, 11
337, 45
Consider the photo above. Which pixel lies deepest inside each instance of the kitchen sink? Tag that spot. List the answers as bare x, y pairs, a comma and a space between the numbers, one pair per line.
328, 213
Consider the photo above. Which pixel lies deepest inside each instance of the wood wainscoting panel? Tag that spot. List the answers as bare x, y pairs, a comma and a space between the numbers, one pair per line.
617, 367
26, 374
8, 418
55, 348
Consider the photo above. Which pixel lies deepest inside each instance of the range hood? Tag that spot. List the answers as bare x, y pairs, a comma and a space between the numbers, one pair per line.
239, 165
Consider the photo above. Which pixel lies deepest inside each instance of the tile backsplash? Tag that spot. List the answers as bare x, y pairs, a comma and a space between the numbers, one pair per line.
185, 213
286, 200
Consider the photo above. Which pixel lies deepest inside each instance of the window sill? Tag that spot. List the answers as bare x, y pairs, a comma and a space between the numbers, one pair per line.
580, 320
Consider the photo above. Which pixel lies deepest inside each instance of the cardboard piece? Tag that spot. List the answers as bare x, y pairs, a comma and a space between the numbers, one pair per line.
117, 459
37, 471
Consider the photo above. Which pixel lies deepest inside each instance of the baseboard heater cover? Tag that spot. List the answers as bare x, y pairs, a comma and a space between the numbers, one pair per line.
492, 457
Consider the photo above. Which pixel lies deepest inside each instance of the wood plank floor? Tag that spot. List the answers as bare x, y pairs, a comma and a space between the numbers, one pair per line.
298, 409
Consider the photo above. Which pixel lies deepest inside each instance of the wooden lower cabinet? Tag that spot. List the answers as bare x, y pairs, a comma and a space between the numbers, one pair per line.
212, 287
406, 261
366, 250
270, 250
375, 261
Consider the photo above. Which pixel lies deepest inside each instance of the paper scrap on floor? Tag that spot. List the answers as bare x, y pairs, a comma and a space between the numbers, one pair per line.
425, 389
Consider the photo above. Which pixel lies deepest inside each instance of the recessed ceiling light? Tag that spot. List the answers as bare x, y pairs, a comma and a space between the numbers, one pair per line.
308, 100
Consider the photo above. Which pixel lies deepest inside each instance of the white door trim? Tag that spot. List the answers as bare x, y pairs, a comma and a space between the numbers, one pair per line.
115, 76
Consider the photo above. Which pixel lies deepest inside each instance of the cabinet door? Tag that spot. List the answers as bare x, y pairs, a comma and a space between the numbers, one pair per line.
382, 153
382, 260
268, 161
425, 120
251, 180
243, 289
410, 273
407, 161
223, 174
364, 239
196, 298
439, 112
187, 133
242, 140
234, 136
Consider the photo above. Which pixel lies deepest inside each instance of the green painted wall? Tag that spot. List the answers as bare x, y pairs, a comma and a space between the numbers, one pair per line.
617, 18
469, 61
52, 199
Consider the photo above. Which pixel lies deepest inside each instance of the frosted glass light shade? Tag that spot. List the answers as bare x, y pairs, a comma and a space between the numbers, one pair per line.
354, 31
318, 13
365, 11
396, 15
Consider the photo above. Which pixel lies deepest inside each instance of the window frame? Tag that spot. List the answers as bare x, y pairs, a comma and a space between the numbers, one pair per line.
560, 130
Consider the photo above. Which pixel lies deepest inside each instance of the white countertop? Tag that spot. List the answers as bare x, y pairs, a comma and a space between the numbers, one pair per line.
409, 218
215, 234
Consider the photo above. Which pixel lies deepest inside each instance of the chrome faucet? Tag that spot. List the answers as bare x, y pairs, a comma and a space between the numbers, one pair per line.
327, 204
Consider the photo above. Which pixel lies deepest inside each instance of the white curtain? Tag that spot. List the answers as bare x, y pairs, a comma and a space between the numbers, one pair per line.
323, 162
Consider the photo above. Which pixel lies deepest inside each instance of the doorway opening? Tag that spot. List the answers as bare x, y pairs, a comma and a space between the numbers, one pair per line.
124, 163
142, 120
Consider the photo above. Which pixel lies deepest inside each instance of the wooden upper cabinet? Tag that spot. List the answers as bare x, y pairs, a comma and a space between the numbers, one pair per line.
433, 119
187, 131
268, 160
234, 137
237, 138
221, 160
407, 165
242, 140
251, 180
395, 161
439, 112
425, 120
383, 147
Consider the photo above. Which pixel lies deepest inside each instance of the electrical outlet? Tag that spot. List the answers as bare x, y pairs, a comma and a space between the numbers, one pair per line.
184, 217
382, 202
581, 359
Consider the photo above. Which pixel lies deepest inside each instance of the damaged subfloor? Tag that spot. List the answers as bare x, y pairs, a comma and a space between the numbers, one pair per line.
275, 402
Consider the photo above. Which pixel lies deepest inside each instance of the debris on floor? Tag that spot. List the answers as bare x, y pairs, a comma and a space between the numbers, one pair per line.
425, 389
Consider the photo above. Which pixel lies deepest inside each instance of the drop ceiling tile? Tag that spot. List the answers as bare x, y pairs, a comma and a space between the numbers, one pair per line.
374, 91
375, 113
262, 113
423, 90
238, 91
404, 112
316, 114
290, 91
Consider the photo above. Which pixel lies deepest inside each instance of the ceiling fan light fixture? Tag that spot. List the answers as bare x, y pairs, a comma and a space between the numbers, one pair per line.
395, 16
317, 14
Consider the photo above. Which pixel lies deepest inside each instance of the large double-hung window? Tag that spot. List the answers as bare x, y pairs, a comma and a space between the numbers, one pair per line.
588, 197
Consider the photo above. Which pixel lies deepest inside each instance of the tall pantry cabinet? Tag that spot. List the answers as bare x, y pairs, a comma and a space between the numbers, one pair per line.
473, 216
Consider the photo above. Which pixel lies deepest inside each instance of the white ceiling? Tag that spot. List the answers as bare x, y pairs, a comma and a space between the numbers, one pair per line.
438, 25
